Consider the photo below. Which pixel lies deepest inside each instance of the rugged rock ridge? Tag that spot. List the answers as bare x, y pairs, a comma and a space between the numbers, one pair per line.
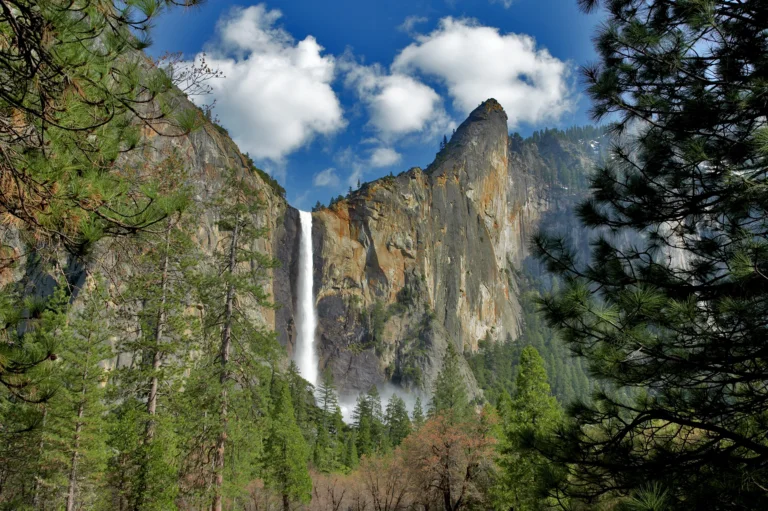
207, 155
409, 264
404, 267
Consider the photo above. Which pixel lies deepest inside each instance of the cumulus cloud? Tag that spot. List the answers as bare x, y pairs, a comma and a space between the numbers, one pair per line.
327, 177
477, 62
384, 157
397, 103
276, 92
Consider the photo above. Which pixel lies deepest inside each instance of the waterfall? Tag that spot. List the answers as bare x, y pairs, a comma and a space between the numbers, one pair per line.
306, 355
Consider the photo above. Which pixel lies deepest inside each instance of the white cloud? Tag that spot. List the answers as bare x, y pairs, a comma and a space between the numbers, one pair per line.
276, 93
477, 62
410, 23
327, 177
384, 157
398, 104
358, 165
506, 3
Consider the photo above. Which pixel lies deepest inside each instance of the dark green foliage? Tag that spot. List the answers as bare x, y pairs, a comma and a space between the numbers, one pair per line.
531, 411
418, 414
29, 343
75, 93
329, 447
678, 314
396, 420
368, 419
76, 417
450, 393
238, 349
286, 453
53, 428
303, 399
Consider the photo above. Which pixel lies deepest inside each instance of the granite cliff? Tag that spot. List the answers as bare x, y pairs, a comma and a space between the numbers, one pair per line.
408, 264
403, 266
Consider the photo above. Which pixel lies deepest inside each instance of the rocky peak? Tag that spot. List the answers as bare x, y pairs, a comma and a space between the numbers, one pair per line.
479, 141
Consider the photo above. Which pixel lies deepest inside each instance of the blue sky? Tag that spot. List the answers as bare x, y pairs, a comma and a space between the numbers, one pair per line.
323, 94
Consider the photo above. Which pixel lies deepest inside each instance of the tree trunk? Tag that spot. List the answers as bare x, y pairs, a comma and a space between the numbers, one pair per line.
41, 446
159, 330
75, 449
149, 432
76, 439
226, 336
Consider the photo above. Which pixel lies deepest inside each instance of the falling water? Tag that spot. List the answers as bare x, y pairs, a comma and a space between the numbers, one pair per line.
306, 356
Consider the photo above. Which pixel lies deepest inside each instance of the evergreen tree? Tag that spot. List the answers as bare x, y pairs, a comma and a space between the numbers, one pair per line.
327, 432
302, 399
418, 414
157, 300
532, 409
286, 452
362, 419
396, 420
351, 458
326, 397
450, 394
70, 117
378, 437
34, 334
241, 348
77, 412
677, 314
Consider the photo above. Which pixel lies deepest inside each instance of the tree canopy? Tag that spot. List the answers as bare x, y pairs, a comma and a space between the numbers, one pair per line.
673, 300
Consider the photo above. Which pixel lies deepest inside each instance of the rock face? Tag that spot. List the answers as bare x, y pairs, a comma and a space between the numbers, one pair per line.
404, 266
206, 155
408, 264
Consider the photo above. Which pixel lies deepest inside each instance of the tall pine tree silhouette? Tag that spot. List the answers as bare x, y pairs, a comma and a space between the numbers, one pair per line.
673, 300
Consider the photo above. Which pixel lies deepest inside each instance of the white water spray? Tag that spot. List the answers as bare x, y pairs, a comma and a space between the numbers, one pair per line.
306, 355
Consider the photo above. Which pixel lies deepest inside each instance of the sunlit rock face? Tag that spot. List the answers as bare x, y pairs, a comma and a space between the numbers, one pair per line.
408, 264
402, 268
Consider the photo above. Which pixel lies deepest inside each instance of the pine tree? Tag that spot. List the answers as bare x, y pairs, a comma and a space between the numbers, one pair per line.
396, 420
325, 445
351, 458
326, 397
450, 394
677, 314
157, 299
286, 452
418, 414
377, 419
362, 419
244, 344
78, 411
302, 399
34, 334
532, 409
71, 117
